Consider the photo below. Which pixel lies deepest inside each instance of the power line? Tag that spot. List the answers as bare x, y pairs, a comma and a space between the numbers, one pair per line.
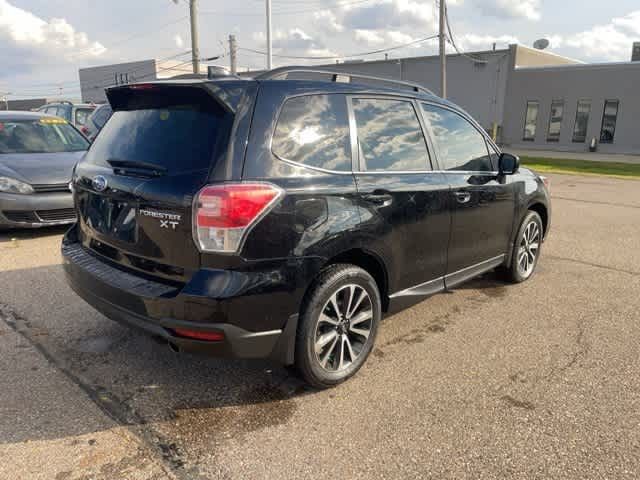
452, 41
285, 12
137, 35
351, 55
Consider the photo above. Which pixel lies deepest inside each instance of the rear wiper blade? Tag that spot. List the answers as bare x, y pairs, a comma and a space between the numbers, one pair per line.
137, 168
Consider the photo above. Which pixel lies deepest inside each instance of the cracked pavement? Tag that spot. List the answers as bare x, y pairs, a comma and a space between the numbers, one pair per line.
538, 380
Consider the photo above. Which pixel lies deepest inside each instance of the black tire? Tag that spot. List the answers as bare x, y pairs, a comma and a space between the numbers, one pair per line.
515, 273
342, 280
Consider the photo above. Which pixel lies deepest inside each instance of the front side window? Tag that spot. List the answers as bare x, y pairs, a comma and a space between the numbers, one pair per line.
64, 112
609, 118
460, 145
531, 121
555, 121
44, 135
389, 135
314, 130
582, 121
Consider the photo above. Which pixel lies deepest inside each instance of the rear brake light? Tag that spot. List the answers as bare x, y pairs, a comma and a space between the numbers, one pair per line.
224, 214
199, 335
84, 130
142, 86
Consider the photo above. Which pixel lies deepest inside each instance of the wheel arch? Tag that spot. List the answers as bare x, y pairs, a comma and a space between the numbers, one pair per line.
541, 209
369, 262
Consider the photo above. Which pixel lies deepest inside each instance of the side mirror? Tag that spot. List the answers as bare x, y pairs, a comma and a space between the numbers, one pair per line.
508, 164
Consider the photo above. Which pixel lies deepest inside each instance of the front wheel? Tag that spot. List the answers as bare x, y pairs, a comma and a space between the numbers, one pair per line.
338, 326
526, 250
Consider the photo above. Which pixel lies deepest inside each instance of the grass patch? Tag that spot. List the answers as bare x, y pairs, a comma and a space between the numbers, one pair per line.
588, 167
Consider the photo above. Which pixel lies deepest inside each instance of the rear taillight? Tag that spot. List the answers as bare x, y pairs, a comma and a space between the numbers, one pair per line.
84, 130
224, 214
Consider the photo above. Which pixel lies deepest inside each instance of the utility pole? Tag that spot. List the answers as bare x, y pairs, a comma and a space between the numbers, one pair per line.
233, 54
195, 50
269, 51
443, 50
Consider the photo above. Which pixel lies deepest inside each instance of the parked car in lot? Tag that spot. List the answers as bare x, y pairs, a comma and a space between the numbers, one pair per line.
37, 156
96, 120
283, 218
76, 114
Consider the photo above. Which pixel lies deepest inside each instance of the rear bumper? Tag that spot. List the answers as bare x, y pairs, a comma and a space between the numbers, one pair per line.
254, 325
36, 210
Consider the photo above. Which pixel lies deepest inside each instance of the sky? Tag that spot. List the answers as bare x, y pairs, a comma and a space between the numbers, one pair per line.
43, 43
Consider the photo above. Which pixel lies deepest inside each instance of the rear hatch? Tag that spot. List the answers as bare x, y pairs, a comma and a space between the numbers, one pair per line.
135, 187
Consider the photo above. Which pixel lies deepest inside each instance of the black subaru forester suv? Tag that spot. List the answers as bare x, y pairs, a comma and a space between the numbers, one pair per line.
283, 218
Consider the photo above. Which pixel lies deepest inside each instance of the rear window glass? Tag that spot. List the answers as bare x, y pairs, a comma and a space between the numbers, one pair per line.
175, 130
101, 116
314, 130
45, 135
82, 114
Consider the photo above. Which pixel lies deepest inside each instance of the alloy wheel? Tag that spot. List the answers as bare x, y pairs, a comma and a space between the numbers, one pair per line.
343, 328
528, 249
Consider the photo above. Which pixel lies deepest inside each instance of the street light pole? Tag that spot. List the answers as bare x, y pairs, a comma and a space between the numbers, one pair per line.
195, 50
269, 51
443, 50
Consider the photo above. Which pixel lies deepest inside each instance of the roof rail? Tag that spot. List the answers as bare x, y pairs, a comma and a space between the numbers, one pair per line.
336, 75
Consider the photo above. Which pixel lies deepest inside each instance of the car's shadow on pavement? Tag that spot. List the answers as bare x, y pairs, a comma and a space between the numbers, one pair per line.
13, 234
137, 381
131, 377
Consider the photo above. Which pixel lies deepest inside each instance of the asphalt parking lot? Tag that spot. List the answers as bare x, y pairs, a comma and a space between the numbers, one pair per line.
539, 380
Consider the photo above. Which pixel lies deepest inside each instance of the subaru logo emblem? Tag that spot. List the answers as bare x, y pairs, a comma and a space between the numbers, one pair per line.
99, 183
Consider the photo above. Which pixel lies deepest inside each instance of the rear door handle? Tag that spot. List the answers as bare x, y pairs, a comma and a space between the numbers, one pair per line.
382, 199
462, 197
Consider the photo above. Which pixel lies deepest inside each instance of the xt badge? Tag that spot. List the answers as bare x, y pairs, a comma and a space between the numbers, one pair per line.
167, 220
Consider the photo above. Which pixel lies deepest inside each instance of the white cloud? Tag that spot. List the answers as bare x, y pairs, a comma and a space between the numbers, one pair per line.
389, 14
295, 42
629, 23
611, 41
527, 9
178, 40
369, 37
56, 36
328, 20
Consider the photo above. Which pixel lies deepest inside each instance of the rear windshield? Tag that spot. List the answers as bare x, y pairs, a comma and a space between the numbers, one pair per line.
43, 135
175, 130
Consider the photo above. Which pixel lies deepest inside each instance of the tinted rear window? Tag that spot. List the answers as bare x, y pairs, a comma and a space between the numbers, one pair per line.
175, 129
44, 135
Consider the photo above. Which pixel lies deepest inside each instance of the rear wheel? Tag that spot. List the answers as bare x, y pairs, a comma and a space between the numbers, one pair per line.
338, 326
526, 250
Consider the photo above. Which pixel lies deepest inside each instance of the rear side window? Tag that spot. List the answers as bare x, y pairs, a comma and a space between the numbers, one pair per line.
460, 145
389, 135
314, 130
176, 130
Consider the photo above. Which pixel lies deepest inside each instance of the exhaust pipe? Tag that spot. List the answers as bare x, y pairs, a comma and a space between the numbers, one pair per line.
173, 347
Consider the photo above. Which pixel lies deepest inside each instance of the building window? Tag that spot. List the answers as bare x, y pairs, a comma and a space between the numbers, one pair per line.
555, 121
582, 121
609, 118
530, 121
